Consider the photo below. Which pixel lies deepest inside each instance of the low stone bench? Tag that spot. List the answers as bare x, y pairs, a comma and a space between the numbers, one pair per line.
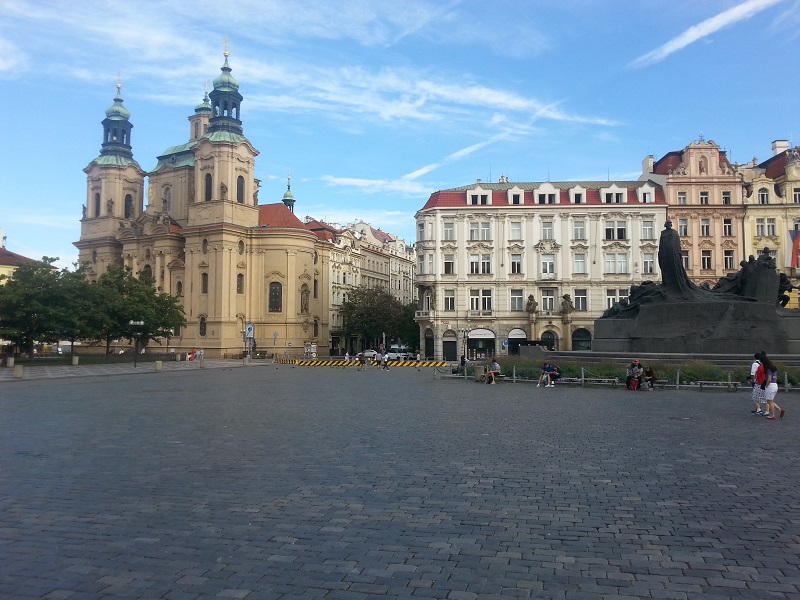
731, 386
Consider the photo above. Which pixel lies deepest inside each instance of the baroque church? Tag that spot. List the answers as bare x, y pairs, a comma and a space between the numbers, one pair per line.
239, 267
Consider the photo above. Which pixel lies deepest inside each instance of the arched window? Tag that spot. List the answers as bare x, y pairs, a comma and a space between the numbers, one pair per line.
147, 273
235, 110
763, 196
168, 199
316, 328
204, 246
209, 189
240, 189
316, 286
202, 326
241, 247
128, 206
196, 130
240, 283
97, 205
94, 256
204, 283
179, 288
275, 297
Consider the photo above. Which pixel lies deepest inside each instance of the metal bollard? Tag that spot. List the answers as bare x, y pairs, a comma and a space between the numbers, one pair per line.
19, 371
159, 365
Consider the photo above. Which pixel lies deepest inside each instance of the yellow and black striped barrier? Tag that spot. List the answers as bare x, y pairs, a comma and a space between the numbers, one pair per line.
321, 362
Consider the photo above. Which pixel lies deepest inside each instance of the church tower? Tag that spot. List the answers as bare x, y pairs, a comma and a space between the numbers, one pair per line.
114, 191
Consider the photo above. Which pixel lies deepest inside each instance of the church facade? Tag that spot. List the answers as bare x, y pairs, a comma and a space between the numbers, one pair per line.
239, 267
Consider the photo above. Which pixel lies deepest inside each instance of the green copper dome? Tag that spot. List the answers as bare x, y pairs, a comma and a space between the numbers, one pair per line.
226, 82
117, 111
205, 106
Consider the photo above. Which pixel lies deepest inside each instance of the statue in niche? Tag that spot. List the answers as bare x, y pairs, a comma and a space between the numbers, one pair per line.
532, 304
223, 190
304, 297
110, 206
83, 208
566, 304
151, 195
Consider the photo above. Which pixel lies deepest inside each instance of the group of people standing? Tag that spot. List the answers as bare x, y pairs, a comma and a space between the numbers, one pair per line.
764, 378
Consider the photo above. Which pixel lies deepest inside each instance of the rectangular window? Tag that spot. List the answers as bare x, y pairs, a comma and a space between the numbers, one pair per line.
579, 230
516, 199
420, 231
703, 197
648, 230
760, 227
616, 263
542, 198
578, 198
474, 264
421, 265
515, 230
727, 227
613, 296
551, 198
796, 195
430, 264
685, 259
609, 198
474, 199
516, 263
474, 231
579, 265
486, 232
516, 300
449, 264
449, 300
548, 266
474, 299
681, 197
618, 198
705, 259
726, 197
648, 263
486, 263
771, 227
647, 197
705, 227
484, 199
239, 283
449, 232
486, 299
547, 230
730, 260
579, 300
548, 299
616, 230
683, 227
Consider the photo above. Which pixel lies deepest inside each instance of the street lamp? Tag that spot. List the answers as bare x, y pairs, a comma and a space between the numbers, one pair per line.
136, 336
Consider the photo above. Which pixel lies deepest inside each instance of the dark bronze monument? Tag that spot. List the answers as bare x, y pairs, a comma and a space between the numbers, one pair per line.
742, 313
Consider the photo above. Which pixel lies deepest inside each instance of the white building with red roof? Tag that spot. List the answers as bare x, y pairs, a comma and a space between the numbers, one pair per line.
505, 264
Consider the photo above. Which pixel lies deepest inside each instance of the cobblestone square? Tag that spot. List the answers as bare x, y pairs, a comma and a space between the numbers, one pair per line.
286, 482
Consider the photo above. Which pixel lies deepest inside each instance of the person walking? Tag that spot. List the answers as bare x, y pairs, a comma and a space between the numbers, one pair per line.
757, 396
385, 360
770, 387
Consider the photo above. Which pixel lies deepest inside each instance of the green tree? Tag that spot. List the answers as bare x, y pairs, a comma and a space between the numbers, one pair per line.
29, 305
77, 300
373, 312
408, 328
127, 300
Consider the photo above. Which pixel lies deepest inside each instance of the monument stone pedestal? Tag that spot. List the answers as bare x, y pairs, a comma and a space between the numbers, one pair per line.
723, 327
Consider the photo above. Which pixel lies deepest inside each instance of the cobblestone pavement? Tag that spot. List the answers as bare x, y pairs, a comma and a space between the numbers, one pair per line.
298, 483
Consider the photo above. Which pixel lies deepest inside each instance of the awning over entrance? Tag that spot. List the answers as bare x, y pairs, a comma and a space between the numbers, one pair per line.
481, 334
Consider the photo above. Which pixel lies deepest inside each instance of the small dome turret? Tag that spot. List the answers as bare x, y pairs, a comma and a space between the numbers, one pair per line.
117, 111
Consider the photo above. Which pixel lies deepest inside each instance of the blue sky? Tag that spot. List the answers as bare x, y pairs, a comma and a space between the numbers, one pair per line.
373, 105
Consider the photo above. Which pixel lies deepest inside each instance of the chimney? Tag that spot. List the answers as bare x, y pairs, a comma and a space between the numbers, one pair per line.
779, 146
647, 164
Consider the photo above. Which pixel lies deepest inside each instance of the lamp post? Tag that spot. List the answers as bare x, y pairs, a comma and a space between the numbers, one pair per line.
136, 336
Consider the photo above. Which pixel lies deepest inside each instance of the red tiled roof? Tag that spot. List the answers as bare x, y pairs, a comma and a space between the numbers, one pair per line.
278, 215
775, 165
591, 189
11, 259
668, 163
322, 230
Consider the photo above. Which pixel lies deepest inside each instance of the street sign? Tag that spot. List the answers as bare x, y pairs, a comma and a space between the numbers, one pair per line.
250, 331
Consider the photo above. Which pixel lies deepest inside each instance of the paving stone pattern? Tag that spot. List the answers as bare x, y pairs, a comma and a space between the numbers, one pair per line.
281, 482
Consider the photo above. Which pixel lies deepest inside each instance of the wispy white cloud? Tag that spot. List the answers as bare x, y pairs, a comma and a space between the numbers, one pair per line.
733, 15
12, 58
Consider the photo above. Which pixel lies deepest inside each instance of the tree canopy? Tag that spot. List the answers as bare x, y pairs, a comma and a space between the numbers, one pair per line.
372, 312
41, 304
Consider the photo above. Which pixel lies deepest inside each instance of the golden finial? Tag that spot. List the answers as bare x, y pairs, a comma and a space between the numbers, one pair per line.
289, 179
226, 53
119, 81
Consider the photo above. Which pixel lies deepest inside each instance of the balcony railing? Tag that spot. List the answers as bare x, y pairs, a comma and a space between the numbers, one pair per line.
424, 314
479, 313
549, 313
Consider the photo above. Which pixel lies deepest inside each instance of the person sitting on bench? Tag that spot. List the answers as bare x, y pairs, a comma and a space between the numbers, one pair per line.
635, 372
494, 370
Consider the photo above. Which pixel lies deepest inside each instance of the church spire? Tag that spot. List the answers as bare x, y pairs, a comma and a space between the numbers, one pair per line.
226, 102
288, 197
117, 129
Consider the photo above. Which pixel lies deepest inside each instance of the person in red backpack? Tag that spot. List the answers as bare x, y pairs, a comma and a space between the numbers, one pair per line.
767, 378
